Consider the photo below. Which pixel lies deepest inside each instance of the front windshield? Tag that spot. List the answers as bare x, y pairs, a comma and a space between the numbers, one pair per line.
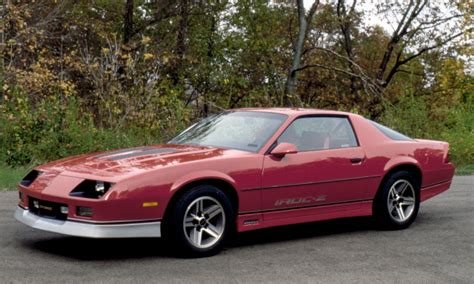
242, 130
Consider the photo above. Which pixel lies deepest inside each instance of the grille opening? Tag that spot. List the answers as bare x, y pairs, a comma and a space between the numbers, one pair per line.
46, 209
30, 178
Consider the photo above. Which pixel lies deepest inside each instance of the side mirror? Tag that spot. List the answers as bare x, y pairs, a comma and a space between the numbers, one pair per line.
283, 149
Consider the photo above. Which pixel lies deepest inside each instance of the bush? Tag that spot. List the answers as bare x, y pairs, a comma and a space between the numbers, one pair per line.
57, 128
452, 123
33, 132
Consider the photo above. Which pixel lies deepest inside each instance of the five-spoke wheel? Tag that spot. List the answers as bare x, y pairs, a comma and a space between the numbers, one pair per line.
401, 200
204, 222
397, 202
199, 222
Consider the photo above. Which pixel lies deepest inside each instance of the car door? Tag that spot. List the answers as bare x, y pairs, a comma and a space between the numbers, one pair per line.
328, 168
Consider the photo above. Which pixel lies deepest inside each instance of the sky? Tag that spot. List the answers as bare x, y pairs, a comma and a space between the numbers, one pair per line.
371, 18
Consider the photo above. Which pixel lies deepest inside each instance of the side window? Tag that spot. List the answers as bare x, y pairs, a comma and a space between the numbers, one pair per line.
319, 133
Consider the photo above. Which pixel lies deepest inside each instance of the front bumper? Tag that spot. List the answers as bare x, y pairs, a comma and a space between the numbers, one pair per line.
89, 230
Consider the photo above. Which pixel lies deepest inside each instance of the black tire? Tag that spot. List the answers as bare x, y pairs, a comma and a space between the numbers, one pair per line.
174, 230
387, 219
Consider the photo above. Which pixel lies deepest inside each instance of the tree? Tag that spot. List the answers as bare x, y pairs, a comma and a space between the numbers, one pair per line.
346, 22
422, 27
304, 26
418, 27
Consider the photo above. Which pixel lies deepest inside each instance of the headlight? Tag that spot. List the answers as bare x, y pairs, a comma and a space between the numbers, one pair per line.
91, 189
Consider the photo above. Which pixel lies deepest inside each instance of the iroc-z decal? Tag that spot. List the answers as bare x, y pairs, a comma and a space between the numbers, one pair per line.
300, 200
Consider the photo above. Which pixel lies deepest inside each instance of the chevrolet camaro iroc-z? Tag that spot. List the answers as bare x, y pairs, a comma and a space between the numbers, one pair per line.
236, 171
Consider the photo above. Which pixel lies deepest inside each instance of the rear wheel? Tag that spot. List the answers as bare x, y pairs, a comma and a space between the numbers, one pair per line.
398, 201
200, 221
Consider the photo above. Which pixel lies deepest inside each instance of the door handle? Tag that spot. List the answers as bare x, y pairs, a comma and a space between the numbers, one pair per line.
356, 160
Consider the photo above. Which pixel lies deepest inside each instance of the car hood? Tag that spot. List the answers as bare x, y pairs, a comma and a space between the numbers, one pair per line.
118, 164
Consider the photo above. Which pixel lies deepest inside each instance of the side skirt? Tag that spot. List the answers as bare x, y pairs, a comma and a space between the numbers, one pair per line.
260, 220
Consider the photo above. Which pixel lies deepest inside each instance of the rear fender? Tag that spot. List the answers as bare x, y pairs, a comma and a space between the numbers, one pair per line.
399, 161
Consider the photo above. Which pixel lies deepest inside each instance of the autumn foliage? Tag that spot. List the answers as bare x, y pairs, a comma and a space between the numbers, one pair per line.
83, 75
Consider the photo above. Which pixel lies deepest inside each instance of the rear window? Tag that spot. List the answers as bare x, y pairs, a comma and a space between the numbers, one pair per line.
390, 133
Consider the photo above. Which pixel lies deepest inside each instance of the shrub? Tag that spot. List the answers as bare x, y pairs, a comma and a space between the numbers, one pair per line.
57, 128
452, 123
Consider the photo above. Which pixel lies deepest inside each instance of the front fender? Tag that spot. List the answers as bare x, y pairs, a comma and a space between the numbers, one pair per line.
201, 175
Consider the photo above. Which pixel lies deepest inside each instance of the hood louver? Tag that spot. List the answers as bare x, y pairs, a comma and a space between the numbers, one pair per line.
134, 152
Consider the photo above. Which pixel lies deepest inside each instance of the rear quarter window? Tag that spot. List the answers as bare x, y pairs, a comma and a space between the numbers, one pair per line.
390, 133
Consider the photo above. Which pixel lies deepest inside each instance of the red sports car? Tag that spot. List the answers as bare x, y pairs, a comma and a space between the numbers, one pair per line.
239, 170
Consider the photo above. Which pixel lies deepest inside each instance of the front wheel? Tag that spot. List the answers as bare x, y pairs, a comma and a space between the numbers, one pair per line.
201, 221
398, 201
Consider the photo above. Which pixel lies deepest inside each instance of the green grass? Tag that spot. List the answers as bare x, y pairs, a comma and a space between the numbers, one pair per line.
9, 177
465, 170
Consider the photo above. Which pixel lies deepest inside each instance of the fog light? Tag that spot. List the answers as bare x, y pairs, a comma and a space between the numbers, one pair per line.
64, 210
84, 211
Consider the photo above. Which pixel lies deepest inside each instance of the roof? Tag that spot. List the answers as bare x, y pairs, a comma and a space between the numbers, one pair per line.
295, 111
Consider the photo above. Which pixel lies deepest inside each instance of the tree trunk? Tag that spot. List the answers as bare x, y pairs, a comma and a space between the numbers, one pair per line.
303, 23
4, 11
128, 21
345, 22
181, 37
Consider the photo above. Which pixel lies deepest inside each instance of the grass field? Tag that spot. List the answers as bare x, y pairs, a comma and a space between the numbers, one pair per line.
9, 177
465, 170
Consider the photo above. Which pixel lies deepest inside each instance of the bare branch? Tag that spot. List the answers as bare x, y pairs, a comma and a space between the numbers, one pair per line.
400, 62
400, 24
369, 86
312, 10
399, 33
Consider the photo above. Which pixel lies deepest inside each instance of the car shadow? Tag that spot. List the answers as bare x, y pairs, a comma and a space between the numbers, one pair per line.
302, 231
101, 249
120, 249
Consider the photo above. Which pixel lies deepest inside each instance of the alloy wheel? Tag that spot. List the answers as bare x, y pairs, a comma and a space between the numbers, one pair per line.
401, 200
204, 222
